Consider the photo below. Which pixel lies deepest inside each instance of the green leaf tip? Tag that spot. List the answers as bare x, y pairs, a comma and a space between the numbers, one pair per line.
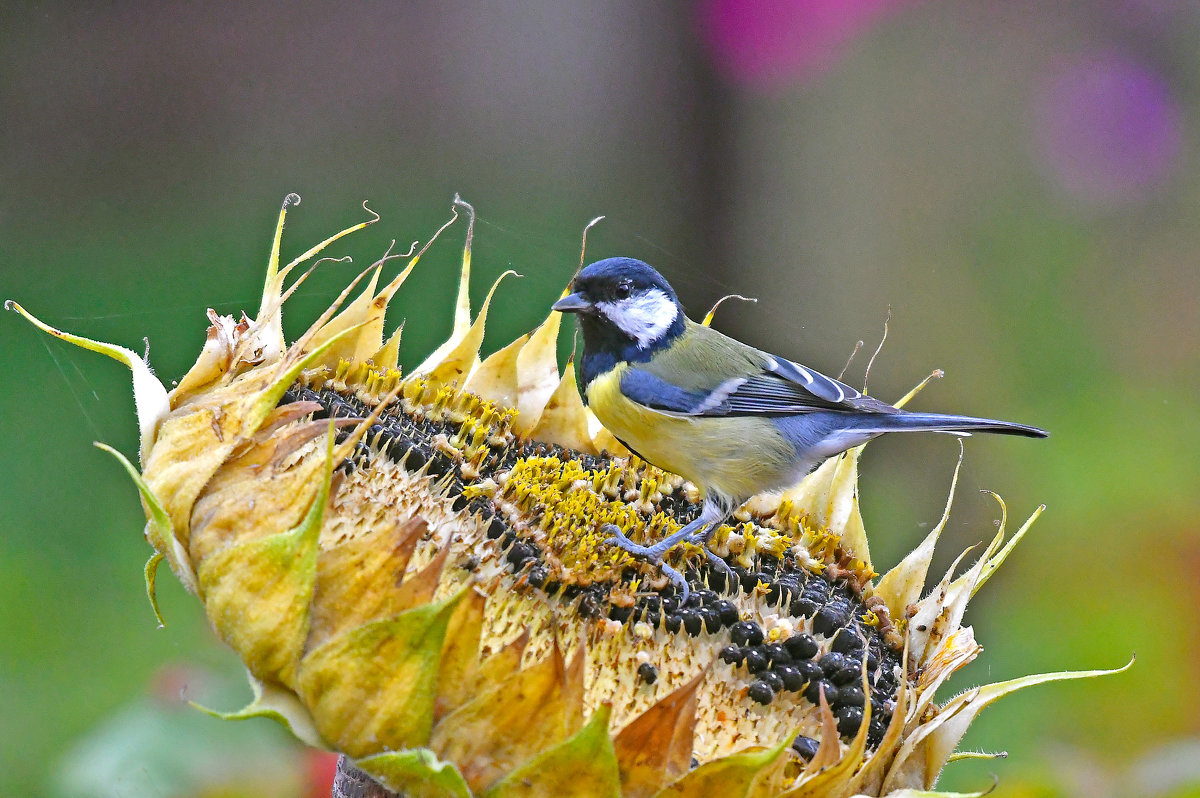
393, 663
583, 765
151, 574
159, 532
149, 395
416, 772
278, 704
731, 776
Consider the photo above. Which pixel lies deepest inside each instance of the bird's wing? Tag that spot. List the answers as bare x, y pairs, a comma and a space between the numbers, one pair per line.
749, 383
764, 394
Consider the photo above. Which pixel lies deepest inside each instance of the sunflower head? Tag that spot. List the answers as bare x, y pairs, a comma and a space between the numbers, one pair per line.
410, 567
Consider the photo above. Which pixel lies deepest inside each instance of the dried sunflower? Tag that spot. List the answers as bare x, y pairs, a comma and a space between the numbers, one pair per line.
410, 568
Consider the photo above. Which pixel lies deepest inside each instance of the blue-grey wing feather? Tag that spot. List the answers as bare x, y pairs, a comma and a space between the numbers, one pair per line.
814, 382
651, 391
768, 393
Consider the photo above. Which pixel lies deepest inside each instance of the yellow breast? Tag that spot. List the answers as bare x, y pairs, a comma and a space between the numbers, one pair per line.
734, 457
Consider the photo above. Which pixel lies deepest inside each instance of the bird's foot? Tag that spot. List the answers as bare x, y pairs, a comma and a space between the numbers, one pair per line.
653, 554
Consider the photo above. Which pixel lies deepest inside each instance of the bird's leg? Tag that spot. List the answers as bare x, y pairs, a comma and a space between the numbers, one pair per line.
655, 553
696, 532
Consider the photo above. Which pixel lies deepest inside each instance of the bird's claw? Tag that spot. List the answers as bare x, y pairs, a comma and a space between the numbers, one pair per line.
654, 554
719, 562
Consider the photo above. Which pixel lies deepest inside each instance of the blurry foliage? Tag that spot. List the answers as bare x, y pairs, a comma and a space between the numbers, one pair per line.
159, 745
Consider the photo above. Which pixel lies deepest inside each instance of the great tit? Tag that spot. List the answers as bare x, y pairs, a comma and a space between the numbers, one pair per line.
732, 419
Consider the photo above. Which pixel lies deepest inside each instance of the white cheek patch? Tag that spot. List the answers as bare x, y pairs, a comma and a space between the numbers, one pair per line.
644, 318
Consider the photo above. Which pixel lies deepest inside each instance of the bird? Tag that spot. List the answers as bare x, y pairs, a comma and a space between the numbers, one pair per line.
732, 419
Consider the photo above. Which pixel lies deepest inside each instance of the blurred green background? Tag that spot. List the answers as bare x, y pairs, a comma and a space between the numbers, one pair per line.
1019, 182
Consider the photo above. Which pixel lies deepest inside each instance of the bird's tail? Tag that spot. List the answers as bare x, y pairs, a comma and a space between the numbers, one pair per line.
941, 422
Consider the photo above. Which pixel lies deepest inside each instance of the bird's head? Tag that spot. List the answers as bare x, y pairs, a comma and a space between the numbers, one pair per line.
623, 298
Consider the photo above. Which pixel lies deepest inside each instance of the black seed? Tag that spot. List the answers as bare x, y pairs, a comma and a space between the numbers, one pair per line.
803, 608
647, 673
756, 659
727, 612
801, 646
746, 633
537, 575
692, 623
806, 747
777, 653
508, 538
458, 503
886, 683
652, 617
792, 583
439, 464
761, 692
791, 676
832, 616
520, 553
850, 672
732, 655
848, 720
768, 562
810, 670
652, 602
707, 597
813, 691
495, 529
712, 621
670, 603
589, 605
414, 460
619, 614
846, 642
674, 622
739, 573
817, 590
880, 709
872, 660
748, 581
772, 678
717, 579
876, 730
851, 696
832, 663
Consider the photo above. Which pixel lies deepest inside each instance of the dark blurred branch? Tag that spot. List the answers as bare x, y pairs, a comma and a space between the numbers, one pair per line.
350, 782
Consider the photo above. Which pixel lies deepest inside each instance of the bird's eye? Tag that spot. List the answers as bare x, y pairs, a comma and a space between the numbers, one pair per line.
624, 289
